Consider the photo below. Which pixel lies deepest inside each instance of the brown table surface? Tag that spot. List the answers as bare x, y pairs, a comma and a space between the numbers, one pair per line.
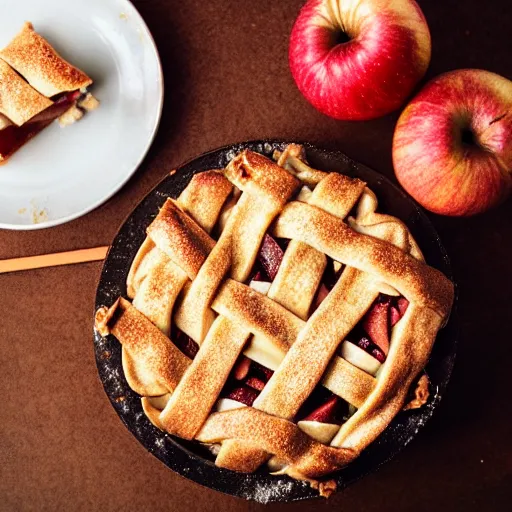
62, 446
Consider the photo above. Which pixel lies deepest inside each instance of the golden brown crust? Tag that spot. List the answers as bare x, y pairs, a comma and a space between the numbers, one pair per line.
413, 279
275, 436
151, 362
178, 236
241, 456
421, 394
325, 489
337, 194
204, 196
378, 255
348, 382
257, 313
159, 290
43, 68
187, 409
104, 316
298, 278
386, 227
293, 159
411, 342
258, 175
18, 101
141, 266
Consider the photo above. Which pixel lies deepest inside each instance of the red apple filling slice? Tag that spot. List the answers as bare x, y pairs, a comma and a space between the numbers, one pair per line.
323, 432
378, 322
248, 380
331, 275
241, 368
13, 137
328, 412
243, 394
270, 256
255, 383
269, 260
185, 343
372, 336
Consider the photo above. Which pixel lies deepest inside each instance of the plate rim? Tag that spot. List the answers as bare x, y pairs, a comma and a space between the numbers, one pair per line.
64, 220
245, 489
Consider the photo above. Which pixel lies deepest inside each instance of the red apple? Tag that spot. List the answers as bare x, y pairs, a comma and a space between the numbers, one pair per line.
359, 59
452, 148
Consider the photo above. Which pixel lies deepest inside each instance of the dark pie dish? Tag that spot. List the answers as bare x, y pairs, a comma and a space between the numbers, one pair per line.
187, 457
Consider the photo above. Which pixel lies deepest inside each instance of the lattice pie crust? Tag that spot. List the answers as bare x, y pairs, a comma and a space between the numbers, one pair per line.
187, 278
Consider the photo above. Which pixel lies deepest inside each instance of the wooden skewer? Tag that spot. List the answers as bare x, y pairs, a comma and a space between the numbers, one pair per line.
53, 260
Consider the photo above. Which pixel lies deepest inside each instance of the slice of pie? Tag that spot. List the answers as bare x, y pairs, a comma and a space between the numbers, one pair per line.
37, 86
276, 316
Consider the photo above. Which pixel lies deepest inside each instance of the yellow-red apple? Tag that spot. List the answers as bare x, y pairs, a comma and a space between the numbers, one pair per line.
359, 59
452, 148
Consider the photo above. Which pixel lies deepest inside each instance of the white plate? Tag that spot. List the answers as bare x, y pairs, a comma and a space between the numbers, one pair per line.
64, 173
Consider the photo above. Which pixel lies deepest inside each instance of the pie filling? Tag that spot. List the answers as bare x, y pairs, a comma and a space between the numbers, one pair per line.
277, 317
14, 137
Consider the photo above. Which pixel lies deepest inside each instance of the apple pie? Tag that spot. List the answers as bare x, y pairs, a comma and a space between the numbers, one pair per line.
37, 86
274, 315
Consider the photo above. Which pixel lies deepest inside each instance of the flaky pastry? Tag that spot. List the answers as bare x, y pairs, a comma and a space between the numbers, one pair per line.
276, 316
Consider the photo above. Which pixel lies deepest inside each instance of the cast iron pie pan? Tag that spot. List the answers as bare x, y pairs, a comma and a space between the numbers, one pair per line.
187, 458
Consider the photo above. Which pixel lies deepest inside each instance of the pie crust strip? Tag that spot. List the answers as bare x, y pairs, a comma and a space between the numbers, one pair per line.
187, 409
18, 101
158, 292
276, 436
181, 238
41, 66
414, 280
152, 364
204, 197
411, 342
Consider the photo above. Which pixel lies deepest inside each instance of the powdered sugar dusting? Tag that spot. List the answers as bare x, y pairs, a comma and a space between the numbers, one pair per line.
264, 493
